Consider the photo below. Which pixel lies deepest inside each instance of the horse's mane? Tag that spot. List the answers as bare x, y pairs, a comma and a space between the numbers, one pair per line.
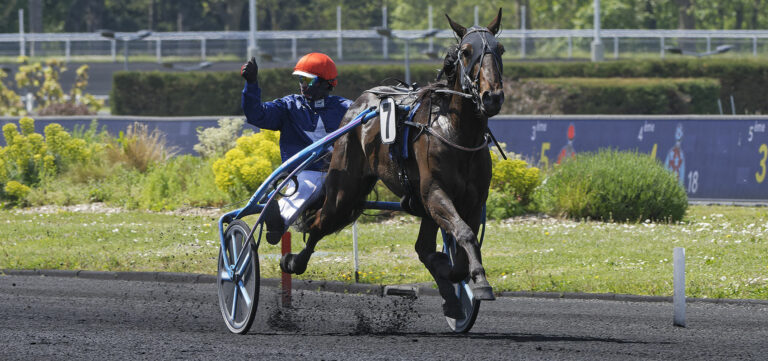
449, 70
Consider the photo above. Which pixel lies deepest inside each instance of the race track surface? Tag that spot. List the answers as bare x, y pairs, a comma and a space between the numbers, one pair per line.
55, 318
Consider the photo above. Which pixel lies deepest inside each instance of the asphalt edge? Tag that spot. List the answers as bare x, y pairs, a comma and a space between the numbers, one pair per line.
425, 289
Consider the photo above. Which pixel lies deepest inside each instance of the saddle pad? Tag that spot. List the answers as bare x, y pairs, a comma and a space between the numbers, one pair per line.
387, 120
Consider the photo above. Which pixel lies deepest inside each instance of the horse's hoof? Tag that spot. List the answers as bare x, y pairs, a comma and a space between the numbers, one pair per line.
288, 264
483, 293
453, 310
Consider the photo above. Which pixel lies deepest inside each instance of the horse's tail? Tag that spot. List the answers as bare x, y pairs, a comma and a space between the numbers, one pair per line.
307, 217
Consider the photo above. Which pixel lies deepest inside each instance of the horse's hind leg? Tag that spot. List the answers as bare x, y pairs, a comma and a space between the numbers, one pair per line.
341, 207
438, 265
346, 187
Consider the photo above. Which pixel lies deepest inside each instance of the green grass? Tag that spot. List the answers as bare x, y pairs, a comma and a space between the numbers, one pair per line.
725, 250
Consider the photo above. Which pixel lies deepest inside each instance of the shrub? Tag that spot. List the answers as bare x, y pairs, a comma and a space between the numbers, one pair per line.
215, 142
10, 102
245, 167
139, 148
43, 83
512, 184
613, 185
16, 190
28, 156
633, 95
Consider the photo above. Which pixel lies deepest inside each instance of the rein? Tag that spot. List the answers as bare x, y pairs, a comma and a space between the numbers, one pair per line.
428, 129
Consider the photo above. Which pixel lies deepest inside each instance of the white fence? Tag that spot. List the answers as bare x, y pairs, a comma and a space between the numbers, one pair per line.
369, 45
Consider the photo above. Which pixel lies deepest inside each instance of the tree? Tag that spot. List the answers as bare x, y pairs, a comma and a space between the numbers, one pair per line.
686, 18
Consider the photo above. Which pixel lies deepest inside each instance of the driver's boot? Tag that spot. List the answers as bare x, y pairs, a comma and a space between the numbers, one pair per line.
274, 222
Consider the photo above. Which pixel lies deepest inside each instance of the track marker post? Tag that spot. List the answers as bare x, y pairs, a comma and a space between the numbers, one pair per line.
678, 299
285, 248
354, 250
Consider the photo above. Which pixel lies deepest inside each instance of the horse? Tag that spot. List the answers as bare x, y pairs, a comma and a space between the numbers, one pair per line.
445, 179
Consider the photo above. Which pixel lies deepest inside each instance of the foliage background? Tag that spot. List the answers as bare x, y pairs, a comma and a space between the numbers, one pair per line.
747, 80
201, 15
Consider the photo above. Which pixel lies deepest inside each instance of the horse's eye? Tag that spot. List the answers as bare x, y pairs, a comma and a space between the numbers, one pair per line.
500, 49
465, 50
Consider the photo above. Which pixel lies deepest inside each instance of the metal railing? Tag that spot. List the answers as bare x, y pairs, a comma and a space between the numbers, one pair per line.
369, 45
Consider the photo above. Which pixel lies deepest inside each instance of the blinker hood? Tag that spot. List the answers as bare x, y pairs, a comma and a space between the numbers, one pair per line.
482, 42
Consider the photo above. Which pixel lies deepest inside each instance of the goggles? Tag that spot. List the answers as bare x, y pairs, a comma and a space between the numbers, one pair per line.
308, 81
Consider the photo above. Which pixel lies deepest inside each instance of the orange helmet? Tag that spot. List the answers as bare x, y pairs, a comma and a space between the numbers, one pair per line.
317, 64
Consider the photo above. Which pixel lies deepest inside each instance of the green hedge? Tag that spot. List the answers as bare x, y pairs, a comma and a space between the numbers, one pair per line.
633, 96
218, 93
211, 93
746, 80
159, 93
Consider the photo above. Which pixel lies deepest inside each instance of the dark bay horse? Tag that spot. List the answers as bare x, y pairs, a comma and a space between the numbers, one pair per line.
448, 169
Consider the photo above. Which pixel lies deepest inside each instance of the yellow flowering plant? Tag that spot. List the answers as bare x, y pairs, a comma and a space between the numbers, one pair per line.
249, 163
513, 182
43, 83
29, 157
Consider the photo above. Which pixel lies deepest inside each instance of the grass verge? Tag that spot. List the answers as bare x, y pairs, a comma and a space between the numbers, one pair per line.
725, 250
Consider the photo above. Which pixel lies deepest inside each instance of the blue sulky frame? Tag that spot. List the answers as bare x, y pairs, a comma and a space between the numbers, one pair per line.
281, 176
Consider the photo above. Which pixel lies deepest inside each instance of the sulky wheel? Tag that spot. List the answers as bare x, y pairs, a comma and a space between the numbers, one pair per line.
238, 285
469, 306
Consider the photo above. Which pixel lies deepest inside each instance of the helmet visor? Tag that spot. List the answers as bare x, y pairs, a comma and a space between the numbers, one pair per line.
306, 80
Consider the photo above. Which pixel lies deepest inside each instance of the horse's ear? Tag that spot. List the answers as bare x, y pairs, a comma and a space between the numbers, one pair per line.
495, 24
458, 29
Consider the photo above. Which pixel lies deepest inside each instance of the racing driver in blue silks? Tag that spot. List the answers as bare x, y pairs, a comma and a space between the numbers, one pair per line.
301, 119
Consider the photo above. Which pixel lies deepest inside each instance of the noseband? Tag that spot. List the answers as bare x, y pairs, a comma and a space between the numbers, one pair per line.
482, 42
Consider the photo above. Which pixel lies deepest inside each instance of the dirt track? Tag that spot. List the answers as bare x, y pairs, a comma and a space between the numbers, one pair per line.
73, 318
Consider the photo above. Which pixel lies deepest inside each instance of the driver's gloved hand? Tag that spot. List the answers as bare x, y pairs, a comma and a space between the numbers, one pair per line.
250, 70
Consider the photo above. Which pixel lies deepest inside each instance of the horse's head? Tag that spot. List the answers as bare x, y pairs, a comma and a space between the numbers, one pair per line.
480, 75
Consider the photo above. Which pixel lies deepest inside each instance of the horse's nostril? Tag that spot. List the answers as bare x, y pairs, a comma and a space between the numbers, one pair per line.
493, 98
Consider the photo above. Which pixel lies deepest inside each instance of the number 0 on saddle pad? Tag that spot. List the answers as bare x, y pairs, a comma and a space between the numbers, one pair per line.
387, 118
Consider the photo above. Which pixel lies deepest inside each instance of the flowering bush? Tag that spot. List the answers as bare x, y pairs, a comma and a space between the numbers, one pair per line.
29, 157
512, 184
245, 167
214, 142
43, 83
10, 102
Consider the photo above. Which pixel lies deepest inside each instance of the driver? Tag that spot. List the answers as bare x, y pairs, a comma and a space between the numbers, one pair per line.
301, 119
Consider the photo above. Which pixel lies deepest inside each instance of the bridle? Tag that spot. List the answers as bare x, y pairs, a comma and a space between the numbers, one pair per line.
483, 42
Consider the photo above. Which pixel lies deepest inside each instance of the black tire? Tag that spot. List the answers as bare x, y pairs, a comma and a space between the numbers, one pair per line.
242, 288
469, 305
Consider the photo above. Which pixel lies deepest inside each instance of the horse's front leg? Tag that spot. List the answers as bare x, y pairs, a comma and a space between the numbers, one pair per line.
442, 210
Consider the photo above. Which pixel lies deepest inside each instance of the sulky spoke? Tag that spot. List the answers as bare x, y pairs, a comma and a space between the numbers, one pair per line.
245, 294
244, 265
234, 304
235, 247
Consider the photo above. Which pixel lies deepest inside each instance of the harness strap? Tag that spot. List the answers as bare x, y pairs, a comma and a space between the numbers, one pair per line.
428, 129
465, 95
